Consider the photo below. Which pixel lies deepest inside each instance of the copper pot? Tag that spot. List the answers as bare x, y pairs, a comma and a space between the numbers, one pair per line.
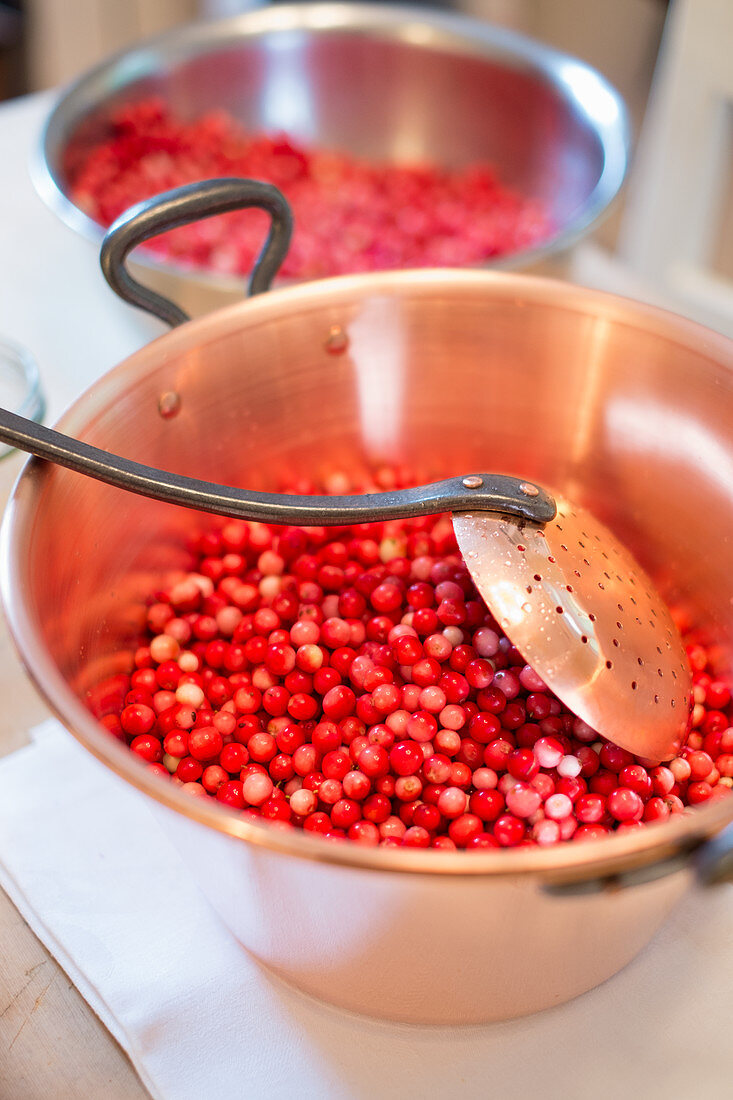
627, 409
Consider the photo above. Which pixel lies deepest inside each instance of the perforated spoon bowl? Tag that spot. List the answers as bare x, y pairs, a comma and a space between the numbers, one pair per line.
589, 620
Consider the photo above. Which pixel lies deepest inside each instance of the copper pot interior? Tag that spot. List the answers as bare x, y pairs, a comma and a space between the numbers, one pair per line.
608, 406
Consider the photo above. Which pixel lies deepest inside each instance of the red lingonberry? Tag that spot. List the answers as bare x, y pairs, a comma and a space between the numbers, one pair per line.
406, 758
509, 830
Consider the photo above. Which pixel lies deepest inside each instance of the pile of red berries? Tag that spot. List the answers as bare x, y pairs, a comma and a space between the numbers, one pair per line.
351, 682
350, 215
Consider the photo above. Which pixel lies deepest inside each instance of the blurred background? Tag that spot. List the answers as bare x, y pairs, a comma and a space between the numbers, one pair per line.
49, 42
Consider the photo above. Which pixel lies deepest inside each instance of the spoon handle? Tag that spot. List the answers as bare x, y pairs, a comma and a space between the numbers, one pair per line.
484, 492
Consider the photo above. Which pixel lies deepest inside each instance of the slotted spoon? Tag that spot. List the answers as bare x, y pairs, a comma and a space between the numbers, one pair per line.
563, 588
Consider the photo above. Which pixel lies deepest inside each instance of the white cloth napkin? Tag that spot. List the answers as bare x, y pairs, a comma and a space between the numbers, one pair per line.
87, 865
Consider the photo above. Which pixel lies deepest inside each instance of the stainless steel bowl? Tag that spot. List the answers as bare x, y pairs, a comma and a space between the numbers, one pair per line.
626, 409
393, 83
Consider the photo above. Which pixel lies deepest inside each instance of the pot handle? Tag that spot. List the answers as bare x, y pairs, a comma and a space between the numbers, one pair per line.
711, 863
180, 206
714, 861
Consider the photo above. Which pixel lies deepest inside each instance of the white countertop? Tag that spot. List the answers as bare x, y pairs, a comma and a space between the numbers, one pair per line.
53, 301
53, 297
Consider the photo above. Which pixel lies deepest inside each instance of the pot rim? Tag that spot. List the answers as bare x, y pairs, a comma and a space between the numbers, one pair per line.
565, 862
587, 90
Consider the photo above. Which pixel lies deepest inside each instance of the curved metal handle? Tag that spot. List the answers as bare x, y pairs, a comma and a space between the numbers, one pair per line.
179, 207
488, 492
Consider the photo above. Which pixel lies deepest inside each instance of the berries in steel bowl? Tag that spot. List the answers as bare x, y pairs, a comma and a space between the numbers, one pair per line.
358, 88
351, 682
351, 215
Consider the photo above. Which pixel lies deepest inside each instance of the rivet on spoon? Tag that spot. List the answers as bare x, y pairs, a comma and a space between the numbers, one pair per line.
169, 404
337, 341
473, 482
